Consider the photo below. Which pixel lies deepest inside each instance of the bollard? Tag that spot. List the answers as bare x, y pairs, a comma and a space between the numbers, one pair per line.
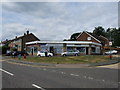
24, 56
19, 56
110, 56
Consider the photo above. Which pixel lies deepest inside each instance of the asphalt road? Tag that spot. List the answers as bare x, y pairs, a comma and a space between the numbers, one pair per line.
23, 76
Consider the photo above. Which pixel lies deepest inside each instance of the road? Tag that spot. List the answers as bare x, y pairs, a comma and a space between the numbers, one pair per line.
24, 76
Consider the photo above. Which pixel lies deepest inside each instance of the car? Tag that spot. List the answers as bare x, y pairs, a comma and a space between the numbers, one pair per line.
8, 53
111, 52
22, 53
71, 53
42, 53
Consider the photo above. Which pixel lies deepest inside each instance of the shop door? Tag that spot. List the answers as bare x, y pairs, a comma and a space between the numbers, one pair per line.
86, 50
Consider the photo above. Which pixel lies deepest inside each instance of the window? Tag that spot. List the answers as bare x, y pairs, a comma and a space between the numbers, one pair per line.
97, 49
93, 49
35, 49
88, 38
81, 49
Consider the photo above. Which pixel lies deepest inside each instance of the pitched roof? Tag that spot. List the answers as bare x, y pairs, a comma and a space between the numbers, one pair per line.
24, 36
4, 42
91, 35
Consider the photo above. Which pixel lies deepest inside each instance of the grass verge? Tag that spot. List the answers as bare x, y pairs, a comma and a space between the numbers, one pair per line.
69, 59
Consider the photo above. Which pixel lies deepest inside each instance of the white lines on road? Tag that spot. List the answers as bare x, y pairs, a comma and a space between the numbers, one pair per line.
63, 72
91, 78
74, 75
36, 86
6, 72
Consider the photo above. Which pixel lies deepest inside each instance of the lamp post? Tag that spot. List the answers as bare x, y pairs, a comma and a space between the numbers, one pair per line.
110, 44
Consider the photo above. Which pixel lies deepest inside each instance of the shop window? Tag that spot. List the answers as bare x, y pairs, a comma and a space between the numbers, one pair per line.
35, 49
28, 49
93, 49
81, 49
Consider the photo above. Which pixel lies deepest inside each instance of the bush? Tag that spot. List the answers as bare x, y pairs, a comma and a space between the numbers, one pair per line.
4, 49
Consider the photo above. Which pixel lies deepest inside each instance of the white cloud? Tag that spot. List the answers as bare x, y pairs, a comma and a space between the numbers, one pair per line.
56, 21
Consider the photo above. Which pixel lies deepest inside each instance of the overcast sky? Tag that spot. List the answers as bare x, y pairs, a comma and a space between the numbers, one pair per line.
56, 20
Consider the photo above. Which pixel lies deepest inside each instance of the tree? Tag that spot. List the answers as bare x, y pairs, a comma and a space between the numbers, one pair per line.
74, 36
99, 31
4, 49
114, 35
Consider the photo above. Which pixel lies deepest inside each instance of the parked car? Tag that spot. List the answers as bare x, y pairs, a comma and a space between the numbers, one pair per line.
16, 53
111, 52
42, 53
8, 53
71, 53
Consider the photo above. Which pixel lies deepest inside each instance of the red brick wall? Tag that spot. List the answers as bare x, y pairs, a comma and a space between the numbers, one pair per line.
84, 36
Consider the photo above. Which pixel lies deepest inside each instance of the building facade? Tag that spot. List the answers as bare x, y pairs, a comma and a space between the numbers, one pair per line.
19, 42
85, 43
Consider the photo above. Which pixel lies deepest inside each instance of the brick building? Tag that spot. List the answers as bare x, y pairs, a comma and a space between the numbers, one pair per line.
19, 42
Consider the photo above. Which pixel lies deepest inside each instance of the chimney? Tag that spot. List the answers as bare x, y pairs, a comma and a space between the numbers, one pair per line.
6, 39
24, 34
16, 37
27, 32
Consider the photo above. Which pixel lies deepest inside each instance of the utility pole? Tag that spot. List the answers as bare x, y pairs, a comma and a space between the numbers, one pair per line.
110, 44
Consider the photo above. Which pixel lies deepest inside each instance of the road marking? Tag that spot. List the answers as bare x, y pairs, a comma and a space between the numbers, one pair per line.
34, 85
2, 60
63, 72
6, 72
74, 75
90, 78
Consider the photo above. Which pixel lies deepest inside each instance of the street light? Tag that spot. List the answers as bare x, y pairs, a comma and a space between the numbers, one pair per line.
110, 43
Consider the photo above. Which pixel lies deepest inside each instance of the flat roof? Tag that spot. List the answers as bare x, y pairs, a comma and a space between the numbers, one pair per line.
63, 42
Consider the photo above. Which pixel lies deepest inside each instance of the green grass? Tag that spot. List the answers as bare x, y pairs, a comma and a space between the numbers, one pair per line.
68, 59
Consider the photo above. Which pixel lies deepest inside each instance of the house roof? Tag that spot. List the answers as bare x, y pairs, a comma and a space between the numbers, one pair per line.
24, 36
20, 37
90, 34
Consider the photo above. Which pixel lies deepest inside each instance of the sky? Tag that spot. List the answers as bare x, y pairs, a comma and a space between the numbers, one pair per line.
56, 20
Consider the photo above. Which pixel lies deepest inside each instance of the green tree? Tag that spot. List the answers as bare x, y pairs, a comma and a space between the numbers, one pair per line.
113, 35
4, 49
74, 36
99, 31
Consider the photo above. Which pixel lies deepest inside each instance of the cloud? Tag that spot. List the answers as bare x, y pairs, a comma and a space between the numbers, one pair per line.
57, 20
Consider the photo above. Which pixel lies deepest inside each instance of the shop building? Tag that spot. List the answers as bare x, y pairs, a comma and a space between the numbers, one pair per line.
85, 43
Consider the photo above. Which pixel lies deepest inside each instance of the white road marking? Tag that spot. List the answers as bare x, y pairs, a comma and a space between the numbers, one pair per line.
6, 72
90, 78
63, 72
74, 74
34, 85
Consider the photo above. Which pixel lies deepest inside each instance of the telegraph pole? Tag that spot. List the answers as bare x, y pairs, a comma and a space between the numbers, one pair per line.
110, 44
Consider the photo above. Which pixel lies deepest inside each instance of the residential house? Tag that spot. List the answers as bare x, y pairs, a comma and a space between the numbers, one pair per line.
19, 42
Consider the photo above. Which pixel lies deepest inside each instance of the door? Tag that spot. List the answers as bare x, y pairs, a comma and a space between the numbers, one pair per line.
52, 50
86, 50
